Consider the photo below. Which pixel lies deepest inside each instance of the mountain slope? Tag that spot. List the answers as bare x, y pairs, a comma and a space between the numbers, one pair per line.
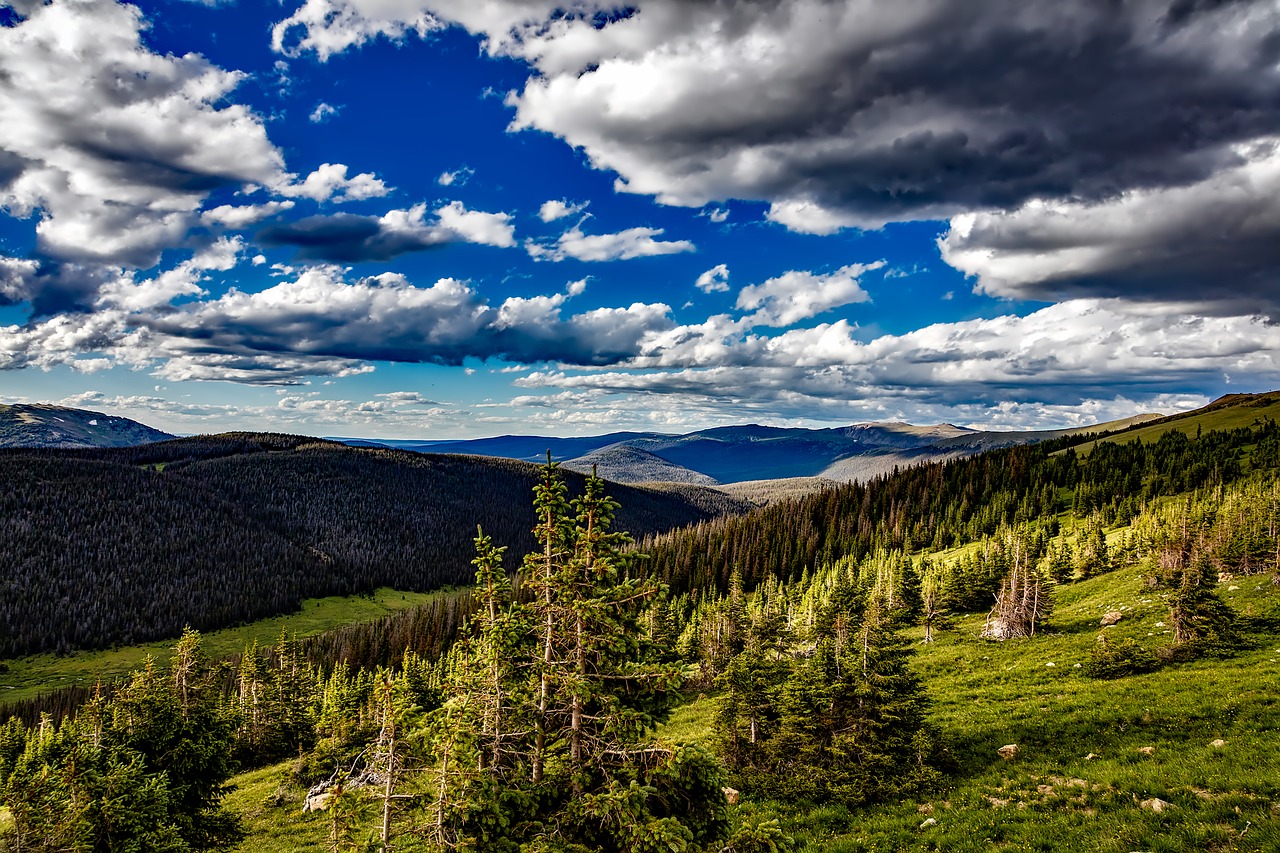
121, 545
38, 425
623, 463
1230, 412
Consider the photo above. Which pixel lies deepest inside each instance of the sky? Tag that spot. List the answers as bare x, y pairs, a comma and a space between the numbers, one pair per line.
458, 218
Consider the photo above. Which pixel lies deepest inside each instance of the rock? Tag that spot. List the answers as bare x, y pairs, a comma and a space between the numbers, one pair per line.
1218, 744
318, 802
1091, 756
1111, 617
1156, 805
1147, 750
1008, 752
929, 822
731, 794
1232, 588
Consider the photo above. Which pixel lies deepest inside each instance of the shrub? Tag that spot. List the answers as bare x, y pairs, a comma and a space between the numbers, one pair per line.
1118, 659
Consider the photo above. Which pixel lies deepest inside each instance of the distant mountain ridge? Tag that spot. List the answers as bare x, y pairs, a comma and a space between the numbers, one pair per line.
40, 425
751, 452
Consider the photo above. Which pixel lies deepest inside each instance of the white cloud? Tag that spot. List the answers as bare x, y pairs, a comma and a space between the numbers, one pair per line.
474, 226
457, 176
623, 245
322, 113
554, 209
131, 295
719, 214
113, 146
330, 183
237, 217
798, 295
332, 26
16, 276
714, 280
1048, 361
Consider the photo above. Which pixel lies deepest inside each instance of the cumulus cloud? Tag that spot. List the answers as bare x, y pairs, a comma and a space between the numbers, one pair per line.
114, 147
851, 113
16, 278
798, 295
320, 324
1058, 356
346, 237
1216, 242
554, 209
326, 27
714, 280
236, 217
623, 245
330, 183
474, 226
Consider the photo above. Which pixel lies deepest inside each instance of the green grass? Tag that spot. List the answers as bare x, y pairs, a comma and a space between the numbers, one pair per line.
1053, 796
1227, 417
271, 808
28, 676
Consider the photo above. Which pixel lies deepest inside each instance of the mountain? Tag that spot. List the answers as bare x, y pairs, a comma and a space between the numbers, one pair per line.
120, 545
38, 425
624, 463
748, 453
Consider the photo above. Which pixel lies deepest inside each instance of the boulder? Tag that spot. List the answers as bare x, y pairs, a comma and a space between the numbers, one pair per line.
1156, 805
1008, 752
1218, 744
318, 801
928, 822
1147, 750
1110, 618
731, 794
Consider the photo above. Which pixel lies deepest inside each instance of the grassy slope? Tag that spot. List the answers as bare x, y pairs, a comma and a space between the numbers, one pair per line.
28, 676
1052, 796
1230, 413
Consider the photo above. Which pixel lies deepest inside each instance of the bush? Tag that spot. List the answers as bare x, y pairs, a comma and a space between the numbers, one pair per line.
1118, 659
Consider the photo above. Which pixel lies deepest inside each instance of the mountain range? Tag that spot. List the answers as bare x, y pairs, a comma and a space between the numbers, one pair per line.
39, 425
743, 454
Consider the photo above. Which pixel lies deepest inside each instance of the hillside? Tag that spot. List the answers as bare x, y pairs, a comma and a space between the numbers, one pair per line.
118, 546
939, 505
623, 463
1230, 412
39, 425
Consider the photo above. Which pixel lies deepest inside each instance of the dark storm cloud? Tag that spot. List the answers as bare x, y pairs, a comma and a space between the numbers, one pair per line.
348, 238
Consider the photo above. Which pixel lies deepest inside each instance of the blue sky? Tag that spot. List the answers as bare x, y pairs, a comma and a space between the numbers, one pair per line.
445, 218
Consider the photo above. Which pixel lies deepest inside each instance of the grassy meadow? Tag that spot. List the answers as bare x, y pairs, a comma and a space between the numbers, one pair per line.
26, 677
1090, 752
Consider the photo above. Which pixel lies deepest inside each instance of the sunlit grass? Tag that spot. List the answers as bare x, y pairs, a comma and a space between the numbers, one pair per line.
28, 676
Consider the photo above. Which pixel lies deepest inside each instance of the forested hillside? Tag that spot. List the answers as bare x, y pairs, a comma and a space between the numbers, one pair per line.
941, 505
117, 546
